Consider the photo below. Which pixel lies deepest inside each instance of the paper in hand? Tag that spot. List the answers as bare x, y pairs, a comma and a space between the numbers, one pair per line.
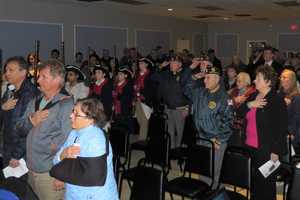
17, 171
269, 167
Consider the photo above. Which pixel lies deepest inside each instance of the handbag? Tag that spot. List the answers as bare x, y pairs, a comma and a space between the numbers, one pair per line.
82, 171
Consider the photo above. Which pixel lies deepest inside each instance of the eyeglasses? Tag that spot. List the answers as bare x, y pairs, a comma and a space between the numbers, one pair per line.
77, 115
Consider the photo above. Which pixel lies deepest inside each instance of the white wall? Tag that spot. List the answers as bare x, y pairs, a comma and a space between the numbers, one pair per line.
88, 14
249, 30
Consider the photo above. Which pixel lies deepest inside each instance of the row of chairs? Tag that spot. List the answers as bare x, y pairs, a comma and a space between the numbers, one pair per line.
197, 159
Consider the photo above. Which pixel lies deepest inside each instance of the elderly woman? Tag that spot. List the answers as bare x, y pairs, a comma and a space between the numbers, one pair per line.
239, 95
288, 86
266, 130
87, 143
243, 89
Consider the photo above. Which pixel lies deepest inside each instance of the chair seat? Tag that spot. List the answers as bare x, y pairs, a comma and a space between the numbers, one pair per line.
187, 187
140, 145
235, 196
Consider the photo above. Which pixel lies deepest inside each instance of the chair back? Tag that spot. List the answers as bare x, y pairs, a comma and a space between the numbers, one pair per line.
236, 168
119, 139
157, 152
147, 184
189, 132
200, 159
157, 124
294, 187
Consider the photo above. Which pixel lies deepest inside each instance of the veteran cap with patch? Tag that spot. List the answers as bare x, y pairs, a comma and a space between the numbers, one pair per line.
213, 70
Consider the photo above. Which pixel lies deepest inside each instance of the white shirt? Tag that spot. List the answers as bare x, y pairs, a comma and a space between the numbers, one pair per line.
269, 63
78, 91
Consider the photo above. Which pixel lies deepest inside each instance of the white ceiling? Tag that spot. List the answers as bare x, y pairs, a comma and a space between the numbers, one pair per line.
187, 9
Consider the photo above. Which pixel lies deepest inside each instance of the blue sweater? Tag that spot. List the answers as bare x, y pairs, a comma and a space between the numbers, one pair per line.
92, 144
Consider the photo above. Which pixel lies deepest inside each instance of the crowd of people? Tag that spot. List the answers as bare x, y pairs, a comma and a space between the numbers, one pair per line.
52, 112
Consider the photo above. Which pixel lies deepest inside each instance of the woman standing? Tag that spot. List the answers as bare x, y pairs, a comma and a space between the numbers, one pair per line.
87, 118
123, 98
143, 94
239, 95
74, 83
243, 89
102, 89
266, 130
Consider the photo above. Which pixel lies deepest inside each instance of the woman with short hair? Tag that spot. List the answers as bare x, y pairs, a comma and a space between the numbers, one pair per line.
87, 140
239, 95
266, 130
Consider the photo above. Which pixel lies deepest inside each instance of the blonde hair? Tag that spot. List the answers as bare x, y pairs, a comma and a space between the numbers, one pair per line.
243, 76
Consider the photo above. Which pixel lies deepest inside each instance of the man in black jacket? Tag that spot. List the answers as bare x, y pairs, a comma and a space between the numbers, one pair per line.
214, 60
170, 92
269, 60
13, 106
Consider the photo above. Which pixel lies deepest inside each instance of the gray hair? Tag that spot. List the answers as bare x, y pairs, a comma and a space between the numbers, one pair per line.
57, 69
244, 77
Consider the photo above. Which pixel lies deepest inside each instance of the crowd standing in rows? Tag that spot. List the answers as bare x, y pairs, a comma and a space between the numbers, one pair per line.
255, 106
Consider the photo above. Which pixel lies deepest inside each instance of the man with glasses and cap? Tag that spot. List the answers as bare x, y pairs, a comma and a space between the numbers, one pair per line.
212, 111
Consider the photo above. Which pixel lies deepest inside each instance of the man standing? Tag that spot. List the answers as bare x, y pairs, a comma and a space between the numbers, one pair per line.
13, 106
170, 92
269, 60
47, 119
212, 112
214, 60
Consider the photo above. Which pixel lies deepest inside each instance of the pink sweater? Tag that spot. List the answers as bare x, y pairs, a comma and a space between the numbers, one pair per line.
251, 130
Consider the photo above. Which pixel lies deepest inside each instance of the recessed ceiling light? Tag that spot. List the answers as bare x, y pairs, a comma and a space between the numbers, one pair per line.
170, 9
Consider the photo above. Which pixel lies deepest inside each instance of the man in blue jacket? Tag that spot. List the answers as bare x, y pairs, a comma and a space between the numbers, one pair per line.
212, 112
13, 106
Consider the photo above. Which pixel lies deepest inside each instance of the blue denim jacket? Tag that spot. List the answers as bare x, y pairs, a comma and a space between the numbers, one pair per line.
213, 114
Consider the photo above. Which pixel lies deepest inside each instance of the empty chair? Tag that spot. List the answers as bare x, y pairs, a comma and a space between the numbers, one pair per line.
157, 125
157, 155
147, 184
236, 171
200, 161
119, 139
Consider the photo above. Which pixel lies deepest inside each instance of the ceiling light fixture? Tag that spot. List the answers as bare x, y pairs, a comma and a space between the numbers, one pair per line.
170, 9
226, 18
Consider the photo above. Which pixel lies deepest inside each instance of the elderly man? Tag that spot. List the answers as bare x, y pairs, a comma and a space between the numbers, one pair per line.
47, 119
13, 106
212, 112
